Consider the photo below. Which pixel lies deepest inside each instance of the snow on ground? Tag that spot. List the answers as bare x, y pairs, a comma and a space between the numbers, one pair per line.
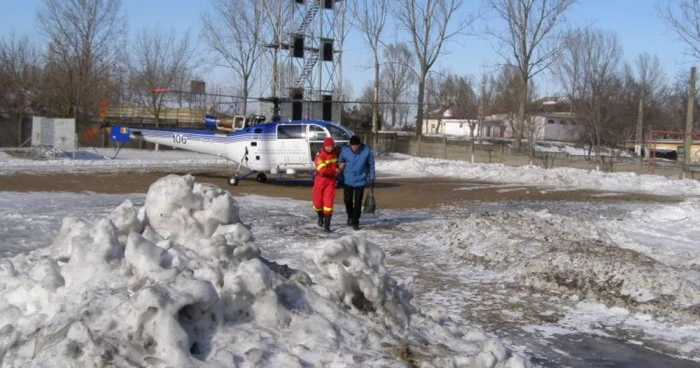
569, 178
180, 281
530, 274
392, 164
577, 150
569, 148
588, 271
105, 159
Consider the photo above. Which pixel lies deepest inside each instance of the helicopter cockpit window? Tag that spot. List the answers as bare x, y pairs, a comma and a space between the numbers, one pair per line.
338, 134
290, 131
317, 133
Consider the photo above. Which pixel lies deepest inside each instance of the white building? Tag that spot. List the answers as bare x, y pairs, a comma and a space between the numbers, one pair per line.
449, 120
553, 126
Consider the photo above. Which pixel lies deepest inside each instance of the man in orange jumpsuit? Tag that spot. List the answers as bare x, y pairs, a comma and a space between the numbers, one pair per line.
323, 193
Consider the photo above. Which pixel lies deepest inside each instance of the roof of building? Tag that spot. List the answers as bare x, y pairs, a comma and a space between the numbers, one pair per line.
449, 111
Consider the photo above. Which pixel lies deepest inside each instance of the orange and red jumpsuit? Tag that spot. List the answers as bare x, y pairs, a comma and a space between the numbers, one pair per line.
326, 166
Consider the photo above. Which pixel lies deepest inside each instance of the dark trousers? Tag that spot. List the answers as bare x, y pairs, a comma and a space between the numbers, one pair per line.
352, 197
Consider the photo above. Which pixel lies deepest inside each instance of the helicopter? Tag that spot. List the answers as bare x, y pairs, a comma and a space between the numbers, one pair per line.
252, 143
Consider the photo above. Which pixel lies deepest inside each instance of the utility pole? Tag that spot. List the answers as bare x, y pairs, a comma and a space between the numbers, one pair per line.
689, 121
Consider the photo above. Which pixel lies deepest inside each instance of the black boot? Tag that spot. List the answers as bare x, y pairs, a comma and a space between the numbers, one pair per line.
327, 223
356, 224
320, 218
349, 223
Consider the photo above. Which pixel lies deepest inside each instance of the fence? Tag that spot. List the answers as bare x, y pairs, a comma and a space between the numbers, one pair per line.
500, 151
17, 131
491, 151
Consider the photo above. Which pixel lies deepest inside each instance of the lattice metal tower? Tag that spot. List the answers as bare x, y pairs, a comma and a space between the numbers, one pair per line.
302, 54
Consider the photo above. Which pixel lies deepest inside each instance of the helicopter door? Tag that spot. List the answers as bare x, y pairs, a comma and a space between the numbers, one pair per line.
291, 142
315, 136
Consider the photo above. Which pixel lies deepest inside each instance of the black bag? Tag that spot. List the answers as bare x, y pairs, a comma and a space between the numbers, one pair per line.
370, 204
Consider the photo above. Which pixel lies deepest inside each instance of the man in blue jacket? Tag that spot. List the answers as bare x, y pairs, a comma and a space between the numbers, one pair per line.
356, 161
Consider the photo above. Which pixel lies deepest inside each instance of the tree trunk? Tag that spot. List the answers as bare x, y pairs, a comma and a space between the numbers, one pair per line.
521, 115
245, 95
157, 120
421, 94
19, 130
597, 150
375, 105
275, 74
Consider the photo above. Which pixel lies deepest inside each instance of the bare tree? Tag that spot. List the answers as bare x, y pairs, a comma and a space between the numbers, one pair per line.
650, 75
20, 74
83, 44
398, 75
683, 17
643, 91
506, 99
674, 105
462, 94
453, 89
488, 93
342, 30
158, 60
370, 18
234, 32
274, 30
221, 101
589, 72
360, 115
429, 22
347, 93
529, 40
434, 85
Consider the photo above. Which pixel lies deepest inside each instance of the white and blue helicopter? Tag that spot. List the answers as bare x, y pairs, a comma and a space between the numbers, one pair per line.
259, 146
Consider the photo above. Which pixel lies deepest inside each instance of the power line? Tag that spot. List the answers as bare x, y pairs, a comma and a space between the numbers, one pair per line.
287, 99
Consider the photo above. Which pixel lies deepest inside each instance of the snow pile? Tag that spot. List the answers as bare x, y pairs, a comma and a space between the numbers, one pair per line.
180, 282
548, 252
667, 233
555, 177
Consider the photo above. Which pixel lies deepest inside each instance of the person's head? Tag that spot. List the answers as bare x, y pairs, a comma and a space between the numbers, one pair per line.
355, 143
328, 144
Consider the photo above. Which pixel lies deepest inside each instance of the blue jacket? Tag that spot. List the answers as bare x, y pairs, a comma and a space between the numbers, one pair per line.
358, 165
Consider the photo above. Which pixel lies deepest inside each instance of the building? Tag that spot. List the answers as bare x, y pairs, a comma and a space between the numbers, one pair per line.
545, 126
450, 120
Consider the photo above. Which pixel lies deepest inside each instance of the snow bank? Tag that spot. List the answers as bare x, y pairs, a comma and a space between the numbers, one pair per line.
556, 177
667, 233
180, 282
546, 251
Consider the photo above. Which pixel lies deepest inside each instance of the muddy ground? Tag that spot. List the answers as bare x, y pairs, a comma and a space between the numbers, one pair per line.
391, 193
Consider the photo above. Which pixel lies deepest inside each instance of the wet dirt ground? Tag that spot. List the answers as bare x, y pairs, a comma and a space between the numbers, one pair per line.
390, 193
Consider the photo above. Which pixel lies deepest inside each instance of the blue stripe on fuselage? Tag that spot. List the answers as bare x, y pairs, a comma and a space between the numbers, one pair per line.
264, 130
